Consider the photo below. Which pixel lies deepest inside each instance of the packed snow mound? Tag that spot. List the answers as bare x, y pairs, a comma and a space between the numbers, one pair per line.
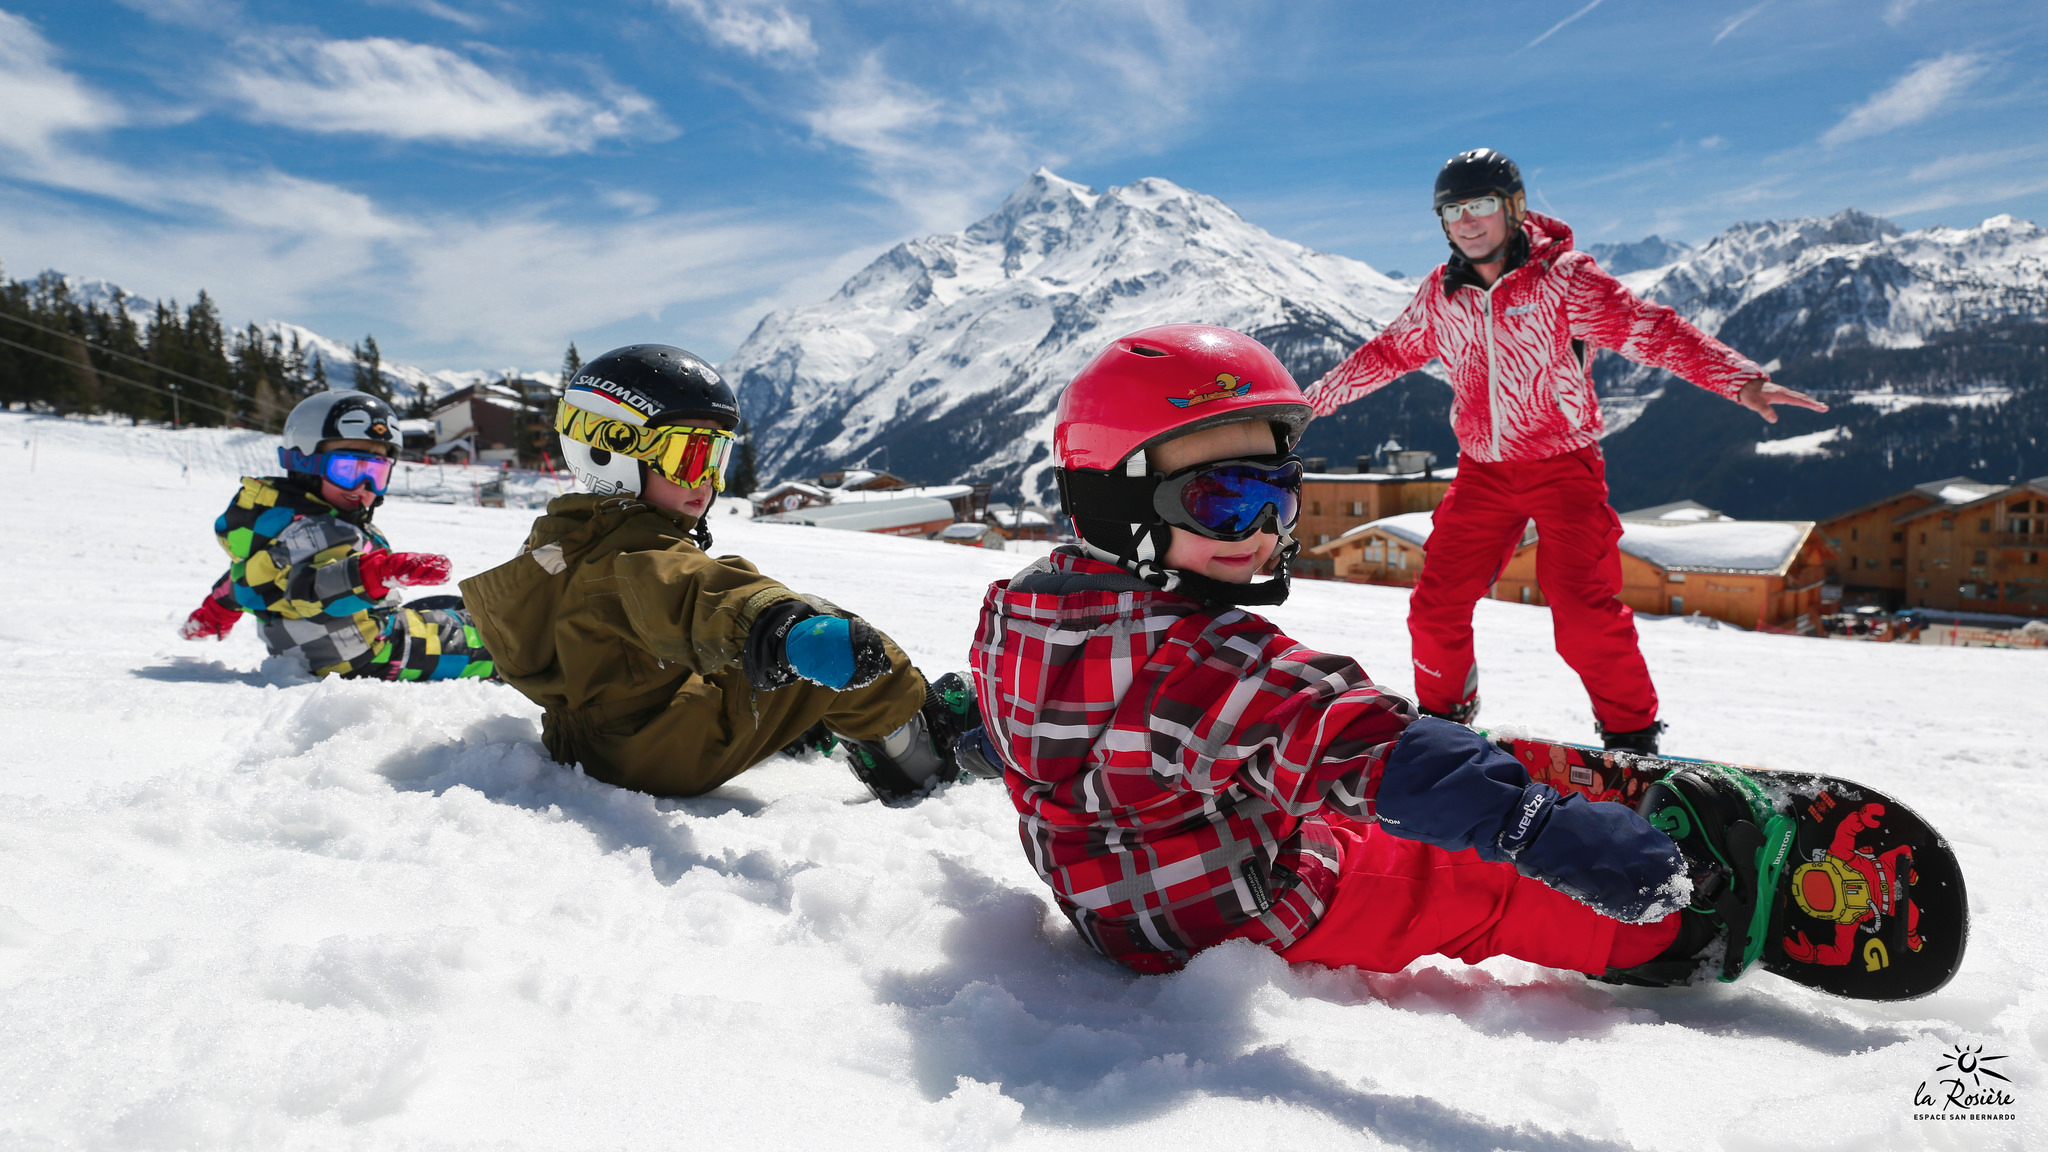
246, 910
973, 334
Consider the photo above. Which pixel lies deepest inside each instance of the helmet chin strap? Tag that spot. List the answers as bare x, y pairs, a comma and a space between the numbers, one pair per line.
1142, 561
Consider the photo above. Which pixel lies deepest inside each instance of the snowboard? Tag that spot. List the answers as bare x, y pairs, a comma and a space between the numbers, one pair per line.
1866, 900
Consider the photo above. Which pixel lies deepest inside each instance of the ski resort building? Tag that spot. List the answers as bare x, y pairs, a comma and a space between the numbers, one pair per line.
500, 422
903, 516
1756, 574
1955, 544
1333, 503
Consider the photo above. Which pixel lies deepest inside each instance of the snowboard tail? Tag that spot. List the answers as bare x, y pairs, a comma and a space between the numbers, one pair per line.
1858, 896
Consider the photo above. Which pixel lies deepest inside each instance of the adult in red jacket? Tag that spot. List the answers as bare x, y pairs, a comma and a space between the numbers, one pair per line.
1515, 315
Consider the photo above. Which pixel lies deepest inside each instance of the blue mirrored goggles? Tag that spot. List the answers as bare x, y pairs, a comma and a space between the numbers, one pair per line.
1232, 499
344, 469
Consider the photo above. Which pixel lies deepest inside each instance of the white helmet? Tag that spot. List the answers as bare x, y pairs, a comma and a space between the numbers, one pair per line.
342, 414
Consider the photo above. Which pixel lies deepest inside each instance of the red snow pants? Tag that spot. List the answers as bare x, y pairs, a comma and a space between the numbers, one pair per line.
1474, 533
1399, 900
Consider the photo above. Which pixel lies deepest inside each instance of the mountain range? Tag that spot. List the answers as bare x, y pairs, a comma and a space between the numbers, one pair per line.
944, 357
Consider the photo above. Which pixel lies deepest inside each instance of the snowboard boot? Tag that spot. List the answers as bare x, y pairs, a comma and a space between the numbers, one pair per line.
1463, 712
1642, 741
910, 762
1734, 844
976, 755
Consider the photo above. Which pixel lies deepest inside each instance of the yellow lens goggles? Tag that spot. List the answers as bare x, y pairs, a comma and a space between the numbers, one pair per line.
683, 454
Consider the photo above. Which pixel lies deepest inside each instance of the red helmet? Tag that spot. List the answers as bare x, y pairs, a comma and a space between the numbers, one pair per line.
1158, 383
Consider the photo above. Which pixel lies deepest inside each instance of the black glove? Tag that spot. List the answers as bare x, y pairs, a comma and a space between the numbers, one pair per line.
846, 646
1446, 785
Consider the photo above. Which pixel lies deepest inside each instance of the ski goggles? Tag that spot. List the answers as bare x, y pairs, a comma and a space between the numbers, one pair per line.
681, 453
346, 470
1480, 207
1232, 499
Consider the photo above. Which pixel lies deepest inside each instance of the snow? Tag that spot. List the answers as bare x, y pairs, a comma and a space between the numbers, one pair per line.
1808, 444
1729, 545
241, 910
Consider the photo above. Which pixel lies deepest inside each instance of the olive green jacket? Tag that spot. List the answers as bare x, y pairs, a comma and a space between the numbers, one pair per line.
611, 607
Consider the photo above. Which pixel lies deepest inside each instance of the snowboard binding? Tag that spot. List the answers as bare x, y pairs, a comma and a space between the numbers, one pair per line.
1735, 843
910, 762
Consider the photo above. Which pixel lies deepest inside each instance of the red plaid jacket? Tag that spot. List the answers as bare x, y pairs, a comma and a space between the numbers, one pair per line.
1172, 765
1519, 354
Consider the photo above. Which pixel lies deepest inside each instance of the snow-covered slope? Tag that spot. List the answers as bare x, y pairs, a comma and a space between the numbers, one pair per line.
952, 349
243, 911
1792, 287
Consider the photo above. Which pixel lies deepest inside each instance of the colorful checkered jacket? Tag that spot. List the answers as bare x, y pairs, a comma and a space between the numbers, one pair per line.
1172, 765
1519, 354
294, 564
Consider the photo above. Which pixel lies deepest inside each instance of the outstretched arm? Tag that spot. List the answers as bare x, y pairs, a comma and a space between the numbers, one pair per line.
1402, 346
1604, 311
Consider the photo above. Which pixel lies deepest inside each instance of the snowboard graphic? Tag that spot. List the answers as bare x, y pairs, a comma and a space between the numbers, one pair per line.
1867, 900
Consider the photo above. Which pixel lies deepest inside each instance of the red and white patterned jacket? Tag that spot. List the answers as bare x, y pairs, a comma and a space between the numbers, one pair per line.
1172, 764
1518, 353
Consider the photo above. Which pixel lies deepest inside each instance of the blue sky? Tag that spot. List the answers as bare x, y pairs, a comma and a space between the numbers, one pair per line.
479, 181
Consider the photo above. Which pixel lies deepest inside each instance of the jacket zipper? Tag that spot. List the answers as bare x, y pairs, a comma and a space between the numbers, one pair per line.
1492, 381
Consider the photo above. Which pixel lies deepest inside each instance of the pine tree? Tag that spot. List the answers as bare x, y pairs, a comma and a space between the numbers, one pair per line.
369, 368
742, 482
572, 363
320, 383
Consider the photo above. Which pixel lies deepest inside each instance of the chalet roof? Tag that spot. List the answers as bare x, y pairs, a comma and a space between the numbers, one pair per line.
1410, 526
1766, 547
867, 515
1381, 477
870, 496
965, 531
791, 486
1939, 492
1010, 517
1995, 492
1684, 511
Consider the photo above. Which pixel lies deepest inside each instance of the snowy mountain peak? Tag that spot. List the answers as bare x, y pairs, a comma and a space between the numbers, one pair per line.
952, 348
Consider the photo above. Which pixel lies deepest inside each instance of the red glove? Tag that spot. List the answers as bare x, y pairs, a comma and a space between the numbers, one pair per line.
212, 618
381, 570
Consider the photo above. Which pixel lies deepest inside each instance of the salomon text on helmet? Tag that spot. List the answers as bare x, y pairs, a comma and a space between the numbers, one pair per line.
640, 386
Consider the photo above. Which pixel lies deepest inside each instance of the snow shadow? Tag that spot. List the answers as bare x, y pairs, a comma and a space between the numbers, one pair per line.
1747, 1014
497, 758
1079, 1041
192, 670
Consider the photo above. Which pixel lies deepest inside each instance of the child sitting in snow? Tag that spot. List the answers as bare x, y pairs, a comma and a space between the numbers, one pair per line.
305, 559
1186, 774
662, 668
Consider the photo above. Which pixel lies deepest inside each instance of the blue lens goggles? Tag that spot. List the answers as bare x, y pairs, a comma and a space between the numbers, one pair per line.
1232, 499
344, 469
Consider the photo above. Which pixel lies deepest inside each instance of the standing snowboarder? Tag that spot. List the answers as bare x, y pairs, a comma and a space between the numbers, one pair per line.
1516, 316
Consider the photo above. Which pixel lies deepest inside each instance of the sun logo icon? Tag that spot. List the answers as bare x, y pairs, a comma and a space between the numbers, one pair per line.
1971, 1062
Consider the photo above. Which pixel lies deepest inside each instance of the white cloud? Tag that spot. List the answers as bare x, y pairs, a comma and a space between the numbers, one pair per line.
755, 27
408, 91
1895, 12
40, 102
1739, 20
1559, 26
1920, 93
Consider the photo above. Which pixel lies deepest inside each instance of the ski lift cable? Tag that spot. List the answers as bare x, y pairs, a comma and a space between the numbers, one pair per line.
139, 384
72, 336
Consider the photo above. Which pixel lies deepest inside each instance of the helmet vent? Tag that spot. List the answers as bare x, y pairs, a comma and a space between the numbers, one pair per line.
1141, 350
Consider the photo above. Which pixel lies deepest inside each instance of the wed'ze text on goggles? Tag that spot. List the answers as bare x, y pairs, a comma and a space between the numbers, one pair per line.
683, 454
344, 469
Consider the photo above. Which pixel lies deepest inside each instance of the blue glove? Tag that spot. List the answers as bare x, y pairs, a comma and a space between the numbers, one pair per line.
1446, 785
820, 649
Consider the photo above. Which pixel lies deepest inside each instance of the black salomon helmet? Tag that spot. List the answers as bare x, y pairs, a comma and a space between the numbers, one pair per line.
646, 386
1480, 172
